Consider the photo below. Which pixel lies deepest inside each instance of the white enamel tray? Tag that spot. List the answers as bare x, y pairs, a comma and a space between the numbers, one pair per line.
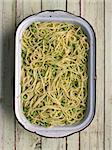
59, 16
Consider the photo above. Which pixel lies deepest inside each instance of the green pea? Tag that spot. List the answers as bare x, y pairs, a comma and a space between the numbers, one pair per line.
23, 55
34, 30
25, 96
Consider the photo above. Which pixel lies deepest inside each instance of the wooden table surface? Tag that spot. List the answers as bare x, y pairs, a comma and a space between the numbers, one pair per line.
98, 136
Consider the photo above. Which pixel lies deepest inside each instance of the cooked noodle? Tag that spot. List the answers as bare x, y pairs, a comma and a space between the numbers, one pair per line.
54, 73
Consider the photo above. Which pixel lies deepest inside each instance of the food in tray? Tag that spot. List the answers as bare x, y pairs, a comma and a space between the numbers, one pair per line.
54, 78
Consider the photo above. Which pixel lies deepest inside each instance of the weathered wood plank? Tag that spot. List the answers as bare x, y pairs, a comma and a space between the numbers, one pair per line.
73, 140
53, 144
53, 4
1, 10
92, 138
59, 143
7, 26
108, 75
26, 8
24, 139
73, 6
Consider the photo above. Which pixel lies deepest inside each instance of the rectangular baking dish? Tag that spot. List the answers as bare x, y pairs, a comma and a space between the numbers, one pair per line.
57, 16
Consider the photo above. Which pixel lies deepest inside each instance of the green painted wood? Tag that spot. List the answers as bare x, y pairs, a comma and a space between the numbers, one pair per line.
92, 138
73, 140
26, 140
7, 119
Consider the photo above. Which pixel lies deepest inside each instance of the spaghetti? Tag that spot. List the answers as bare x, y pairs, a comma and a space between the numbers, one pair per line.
54, 73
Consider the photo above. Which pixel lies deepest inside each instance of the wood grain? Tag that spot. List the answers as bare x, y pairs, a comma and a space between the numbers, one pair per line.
73, 7
92, 138
53, 4
108, 75
7, 27
26, 140
53, 144
1, 10
73, 140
